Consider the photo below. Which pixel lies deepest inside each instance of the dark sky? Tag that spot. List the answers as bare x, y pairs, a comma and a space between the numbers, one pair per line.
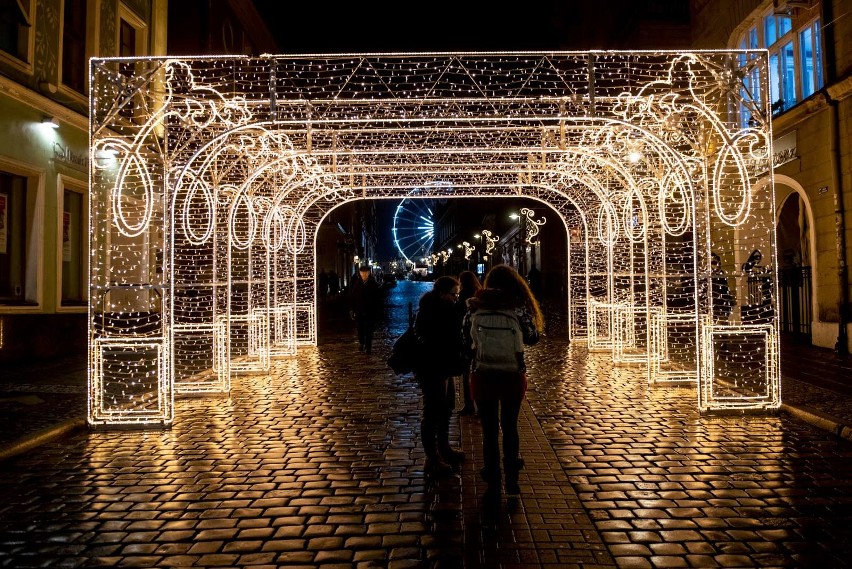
383, 26
438, 25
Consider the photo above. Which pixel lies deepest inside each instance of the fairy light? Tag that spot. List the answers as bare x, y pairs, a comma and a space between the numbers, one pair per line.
532, 225
206, 200
490, 240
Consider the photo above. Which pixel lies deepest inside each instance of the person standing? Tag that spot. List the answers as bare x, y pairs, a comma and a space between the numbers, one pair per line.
502, 318
322, 285
534, 280
366, 300
438, 328
470, 284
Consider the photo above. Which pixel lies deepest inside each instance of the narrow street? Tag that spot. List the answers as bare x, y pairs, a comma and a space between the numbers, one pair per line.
319, 463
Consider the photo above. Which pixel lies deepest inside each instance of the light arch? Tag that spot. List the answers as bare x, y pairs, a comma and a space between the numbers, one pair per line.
205, 199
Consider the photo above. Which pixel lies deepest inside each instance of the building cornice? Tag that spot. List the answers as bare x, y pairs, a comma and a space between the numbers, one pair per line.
841, 89
43, 104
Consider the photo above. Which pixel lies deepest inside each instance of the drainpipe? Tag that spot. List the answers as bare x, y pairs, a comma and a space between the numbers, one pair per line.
842, 346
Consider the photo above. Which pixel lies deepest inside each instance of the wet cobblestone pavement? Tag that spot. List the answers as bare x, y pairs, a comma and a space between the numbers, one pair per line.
668, 487
319, 464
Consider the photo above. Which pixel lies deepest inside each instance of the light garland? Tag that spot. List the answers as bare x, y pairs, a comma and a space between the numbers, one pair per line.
202, 226
532, 225
490, 241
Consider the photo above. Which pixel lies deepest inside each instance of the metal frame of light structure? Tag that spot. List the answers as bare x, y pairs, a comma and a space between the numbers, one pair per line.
209, 212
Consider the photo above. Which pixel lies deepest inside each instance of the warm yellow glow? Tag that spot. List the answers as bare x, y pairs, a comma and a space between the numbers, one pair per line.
207, 192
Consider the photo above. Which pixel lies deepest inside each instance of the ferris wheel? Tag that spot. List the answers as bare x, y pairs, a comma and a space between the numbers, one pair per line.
413, 228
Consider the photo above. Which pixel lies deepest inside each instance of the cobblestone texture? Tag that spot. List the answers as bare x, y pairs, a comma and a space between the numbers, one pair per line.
318, 464
668, 487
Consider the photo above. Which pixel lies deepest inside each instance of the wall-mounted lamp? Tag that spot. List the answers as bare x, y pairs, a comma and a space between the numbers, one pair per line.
49, 121
514, 216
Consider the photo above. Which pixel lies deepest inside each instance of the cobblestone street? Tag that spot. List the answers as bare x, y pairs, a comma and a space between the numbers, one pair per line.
319, 463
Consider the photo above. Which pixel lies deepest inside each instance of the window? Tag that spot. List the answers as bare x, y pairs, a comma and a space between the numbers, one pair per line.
72, 235
131, 39
810, 54
795, 60
16, 30
74, 45
126, 39
18, 265
13, 240
131, 33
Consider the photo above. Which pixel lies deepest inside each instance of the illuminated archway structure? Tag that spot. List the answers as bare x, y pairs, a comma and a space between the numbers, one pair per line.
211, 176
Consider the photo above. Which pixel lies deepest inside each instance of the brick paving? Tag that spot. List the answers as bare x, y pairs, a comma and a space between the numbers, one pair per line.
668, 487
318, 464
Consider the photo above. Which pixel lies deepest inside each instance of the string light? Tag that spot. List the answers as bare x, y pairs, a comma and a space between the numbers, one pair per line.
207, 195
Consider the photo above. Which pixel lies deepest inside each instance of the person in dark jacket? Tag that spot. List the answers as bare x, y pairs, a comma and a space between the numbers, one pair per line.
439, 330
469, 286
499, 394
366, 302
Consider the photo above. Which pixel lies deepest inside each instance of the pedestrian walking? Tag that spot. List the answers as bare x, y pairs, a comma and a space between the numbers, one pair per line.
333, 284
470, 284
322, 285
438, 328
366, 301
502, 318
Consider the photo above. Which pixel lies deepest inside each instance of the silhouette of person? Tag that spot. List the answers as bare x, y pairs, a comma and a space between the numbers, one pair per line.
322, 285
469, 284
366, 298
534, 280
333, 283
499, 394
438, 327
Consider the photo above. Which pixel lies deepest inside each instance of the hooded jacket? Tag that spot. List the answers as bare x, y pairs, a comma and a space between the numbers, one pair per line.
438, 327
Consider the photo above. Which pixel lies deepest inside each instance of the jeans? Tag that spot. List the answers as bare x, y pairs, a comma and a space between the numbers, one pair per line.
365, 327
438, 400
498, 402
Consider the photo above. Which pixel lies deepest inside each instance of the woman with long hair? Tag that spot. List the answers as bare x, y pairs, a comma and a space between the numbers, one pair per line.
469, 286
502, 318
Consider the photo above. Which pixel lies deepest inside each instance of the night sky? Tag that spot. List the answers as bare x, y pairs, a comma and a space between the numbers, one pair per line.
437, 25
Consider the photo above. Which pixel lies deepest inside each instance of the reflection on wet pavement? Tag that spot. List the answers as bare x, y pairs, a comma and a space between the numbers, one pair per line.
319, 462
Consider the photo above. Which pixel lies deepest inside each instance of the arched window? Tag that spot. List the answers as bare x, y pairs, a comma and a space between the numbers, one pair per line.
795, 58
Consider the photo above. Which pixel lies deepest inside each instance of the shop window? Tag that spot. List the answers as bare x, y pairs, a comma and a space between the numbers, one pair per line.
74, 45
16, 29
16, 204
73, 267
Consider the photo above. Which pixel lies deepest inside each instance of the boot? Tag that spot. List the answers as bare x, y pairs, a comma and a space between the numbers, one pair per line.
452, 456
512, 467
436, 467
494, 491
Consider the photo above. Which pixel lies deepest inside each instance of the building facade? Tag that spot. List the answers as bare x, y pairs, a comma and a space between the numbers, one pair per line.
45, 46
810, 59
44, 159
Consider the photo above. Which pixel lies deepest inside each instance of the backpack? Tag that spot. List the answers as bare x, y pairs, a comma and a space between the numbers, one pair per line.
405, 353
497, 340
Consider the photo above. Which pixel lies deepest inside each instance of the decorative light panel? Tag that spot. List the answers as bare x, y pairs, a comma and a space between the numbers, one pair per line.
211, 176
